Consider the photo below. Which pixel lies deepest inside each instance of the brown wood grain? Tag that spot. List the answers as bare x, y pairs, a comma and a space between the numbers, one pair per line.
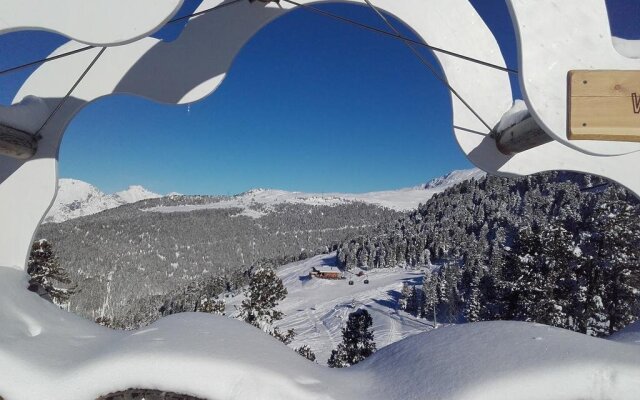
604, 105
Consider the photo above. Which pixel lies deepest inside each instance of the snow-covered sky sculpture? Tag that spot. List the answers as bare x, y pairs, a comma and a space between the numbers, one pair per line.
47, 353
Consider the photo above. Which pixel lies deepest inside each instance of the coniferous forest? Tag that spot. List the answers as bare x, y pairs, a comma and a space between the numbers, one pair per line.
557, 248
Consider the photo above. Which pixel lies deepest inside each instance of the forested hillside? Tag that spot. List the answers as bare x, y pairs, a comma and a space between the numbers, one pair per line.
556, 248
128, 261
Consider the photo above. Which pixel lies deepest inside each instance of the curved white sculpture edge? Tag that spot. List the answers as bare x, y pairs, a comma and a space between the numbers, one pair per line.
94, 22
34, 338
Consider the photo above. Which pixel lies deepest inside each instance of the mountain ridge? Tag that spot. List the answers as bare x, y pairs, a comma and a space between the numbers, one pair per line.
77, 198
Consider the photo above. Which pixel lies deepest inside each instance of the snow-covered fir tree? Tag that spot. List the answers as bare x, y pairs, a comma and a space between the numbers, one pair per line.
557, 248
262, 296
357, 341
405, 294
430, 295
306, 352
212, 306
46, 274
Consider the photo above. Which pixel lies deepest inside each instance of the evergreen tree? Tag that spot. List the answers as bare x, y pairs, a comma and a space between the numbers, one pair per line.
45, 273
405, 295
306, 352
263, 294
598, 322
415, 301
357, 341
472, 302
212, 306
429, 288
617, 239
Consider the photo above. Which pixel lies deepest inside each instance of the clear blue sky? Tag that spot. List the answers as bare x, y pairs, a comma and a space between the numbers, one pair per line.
356, 112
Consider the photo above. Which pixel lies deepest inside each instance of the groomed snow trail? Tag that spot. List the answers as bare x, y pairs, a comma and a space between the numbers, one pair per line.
317, 309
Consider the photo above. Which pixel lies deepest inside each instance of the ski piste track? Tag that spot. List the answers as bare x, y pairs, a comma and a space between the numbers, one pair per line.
47, 353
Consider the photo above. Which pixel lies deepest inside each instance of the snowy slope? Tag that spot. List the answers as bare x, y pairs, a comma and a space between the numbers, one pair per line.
76, 198
258, 202
630, 334
46, 353
317, 309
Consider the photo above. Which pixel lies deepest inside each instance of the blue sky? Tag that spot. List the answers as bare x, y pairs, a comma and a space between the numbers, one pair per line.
357, 112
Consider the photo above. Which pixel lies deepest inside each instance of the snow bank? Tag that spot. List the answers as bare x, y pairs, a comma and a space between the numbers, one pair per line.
505, 360
46, 353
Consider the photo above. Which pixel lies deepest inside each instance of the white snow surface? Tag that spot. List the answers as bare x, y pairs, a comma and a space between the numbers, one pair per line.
47, 353
630, 334
76, 198
626, 47
317, 309
517, 113
257, 202
28, 115
135, 193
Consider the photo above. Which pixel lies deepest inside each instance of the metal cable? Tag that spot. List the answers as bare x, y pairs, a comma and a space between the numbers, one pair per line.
431, 68
89, 47
314, 9
399, 36
64, 99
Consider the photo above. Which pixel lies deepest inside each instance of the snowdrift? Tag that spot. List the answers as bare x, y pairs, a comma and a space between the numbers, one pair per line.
46, 353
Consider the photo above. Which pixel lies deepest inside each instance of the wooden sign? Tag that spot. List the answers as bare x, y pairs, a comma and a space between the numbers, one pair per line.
604, 105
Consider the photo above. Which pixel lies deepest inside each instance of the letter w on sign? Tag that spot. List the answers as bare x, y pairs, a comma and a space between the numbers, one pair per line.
599, 105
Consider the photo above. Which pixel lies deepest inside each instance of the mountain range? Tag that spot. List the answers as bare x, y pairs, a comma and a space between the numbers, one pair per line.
77, 198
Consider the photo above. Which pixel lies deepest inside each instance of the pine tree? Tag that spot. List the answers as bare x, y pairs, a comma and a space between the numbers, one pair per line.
263, 294
598, 322
306, 352
472, 303
405, 295
415, 301
429, 289
618, 241
45, 271
212, 306
357, 341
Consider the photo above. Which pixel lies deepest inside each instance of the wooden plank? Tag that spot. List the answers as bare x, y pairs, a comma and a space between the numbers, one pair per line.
604, 105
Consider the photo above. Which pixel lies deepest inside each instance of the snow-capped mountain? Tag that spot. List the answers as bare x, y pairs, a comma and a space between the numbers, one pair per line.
135, 193
257, 202
76, 198
453, 178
